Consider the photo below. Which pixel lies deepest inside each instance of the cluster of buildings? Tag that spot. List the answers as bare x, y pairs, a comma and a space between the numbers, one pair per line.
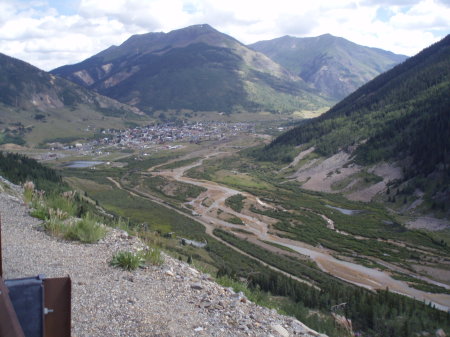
144, 137
169, 133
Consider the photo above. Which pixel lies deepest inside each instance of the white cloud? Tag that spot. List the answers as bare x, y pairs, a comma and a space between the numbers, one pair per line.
424, 15
390, 2
35, 32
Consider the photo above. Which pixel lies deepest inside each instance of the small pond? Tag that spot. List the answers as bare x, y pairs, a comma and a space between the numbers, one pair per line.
83, 163
345, 211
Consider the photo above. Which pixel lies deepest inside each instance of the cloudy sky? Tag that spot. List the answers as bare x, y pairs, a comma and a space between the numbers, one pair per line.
51, 33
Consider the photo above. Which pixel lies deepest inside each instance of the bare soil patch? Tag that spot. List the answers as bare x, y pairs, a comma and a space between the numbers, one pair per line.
429, 223
437, 274
387, 171
321, 176
326, 176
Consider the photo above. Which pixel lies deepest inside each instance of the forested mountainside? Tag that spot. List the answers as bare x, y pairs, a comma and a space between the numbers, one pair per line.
333, 65
196, 68
19, 169
402, 115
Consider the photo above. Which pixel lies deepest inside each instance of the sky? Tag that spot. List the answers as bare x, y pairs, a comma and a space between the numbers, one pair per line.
52, 33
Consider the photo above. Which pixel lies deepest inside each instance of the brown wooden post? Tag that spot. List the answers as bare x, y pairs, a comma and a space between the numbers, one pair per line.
58, 301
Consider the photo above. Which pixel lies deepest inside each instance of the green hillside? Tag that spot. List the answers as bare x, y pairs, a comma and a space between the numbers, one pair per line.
402, 115
333, 65
195, 68
36, 106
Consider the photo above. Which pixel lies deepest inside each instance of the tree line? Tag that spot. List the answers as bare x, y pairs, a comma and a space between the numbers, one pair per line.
18, 169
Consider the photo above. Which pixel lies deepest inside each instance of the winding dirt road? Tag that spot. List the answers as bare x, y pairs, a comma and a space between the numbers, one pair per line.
209, 228
347, 271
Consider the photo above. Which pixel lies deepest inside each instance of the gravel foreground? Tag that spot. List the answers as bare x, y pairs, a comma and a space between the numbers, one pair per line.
169, 300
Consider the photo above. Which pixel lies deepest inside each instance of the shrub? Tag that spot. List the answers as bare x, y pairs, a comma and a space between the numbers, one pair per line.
235, 220
55, 226
235, 202
57, 213
65, 203
154, 257
61, 206
127, 260
86, 230
124, 225
40, 209
28, 191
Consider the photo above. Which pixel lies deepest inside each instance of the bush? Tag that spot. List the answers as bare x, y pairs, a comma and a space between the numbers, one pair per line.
55, 226
28, 191
60, 205
63, 203
235, 220
235, 202
127, 260
86, 230
40, 209
154, 257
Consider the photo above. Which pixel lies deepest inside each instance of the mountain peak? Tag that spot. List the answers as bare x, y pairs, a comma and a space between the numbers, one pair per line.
200, 27
333, 65
184, 68
163, 42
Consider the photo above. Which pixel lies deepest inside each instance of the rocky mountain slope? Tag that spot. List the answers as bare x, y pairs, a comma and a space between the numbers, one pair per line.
35, 104
169, 300
333, 65
196, 68
401, 116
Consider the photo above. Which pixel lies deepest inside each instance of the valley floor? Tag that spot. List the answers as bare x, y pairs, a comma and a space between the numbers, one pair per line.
351, 272
254, 221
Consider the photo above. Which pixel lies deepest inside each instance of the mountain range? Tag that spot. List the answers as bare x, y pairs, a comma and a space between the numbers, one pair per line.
333, 65
201, 69
196, 68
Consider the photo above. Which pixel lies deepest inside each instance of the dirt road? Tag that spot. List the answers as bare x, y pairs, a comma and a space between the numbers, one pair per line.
348, 271
205, 221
